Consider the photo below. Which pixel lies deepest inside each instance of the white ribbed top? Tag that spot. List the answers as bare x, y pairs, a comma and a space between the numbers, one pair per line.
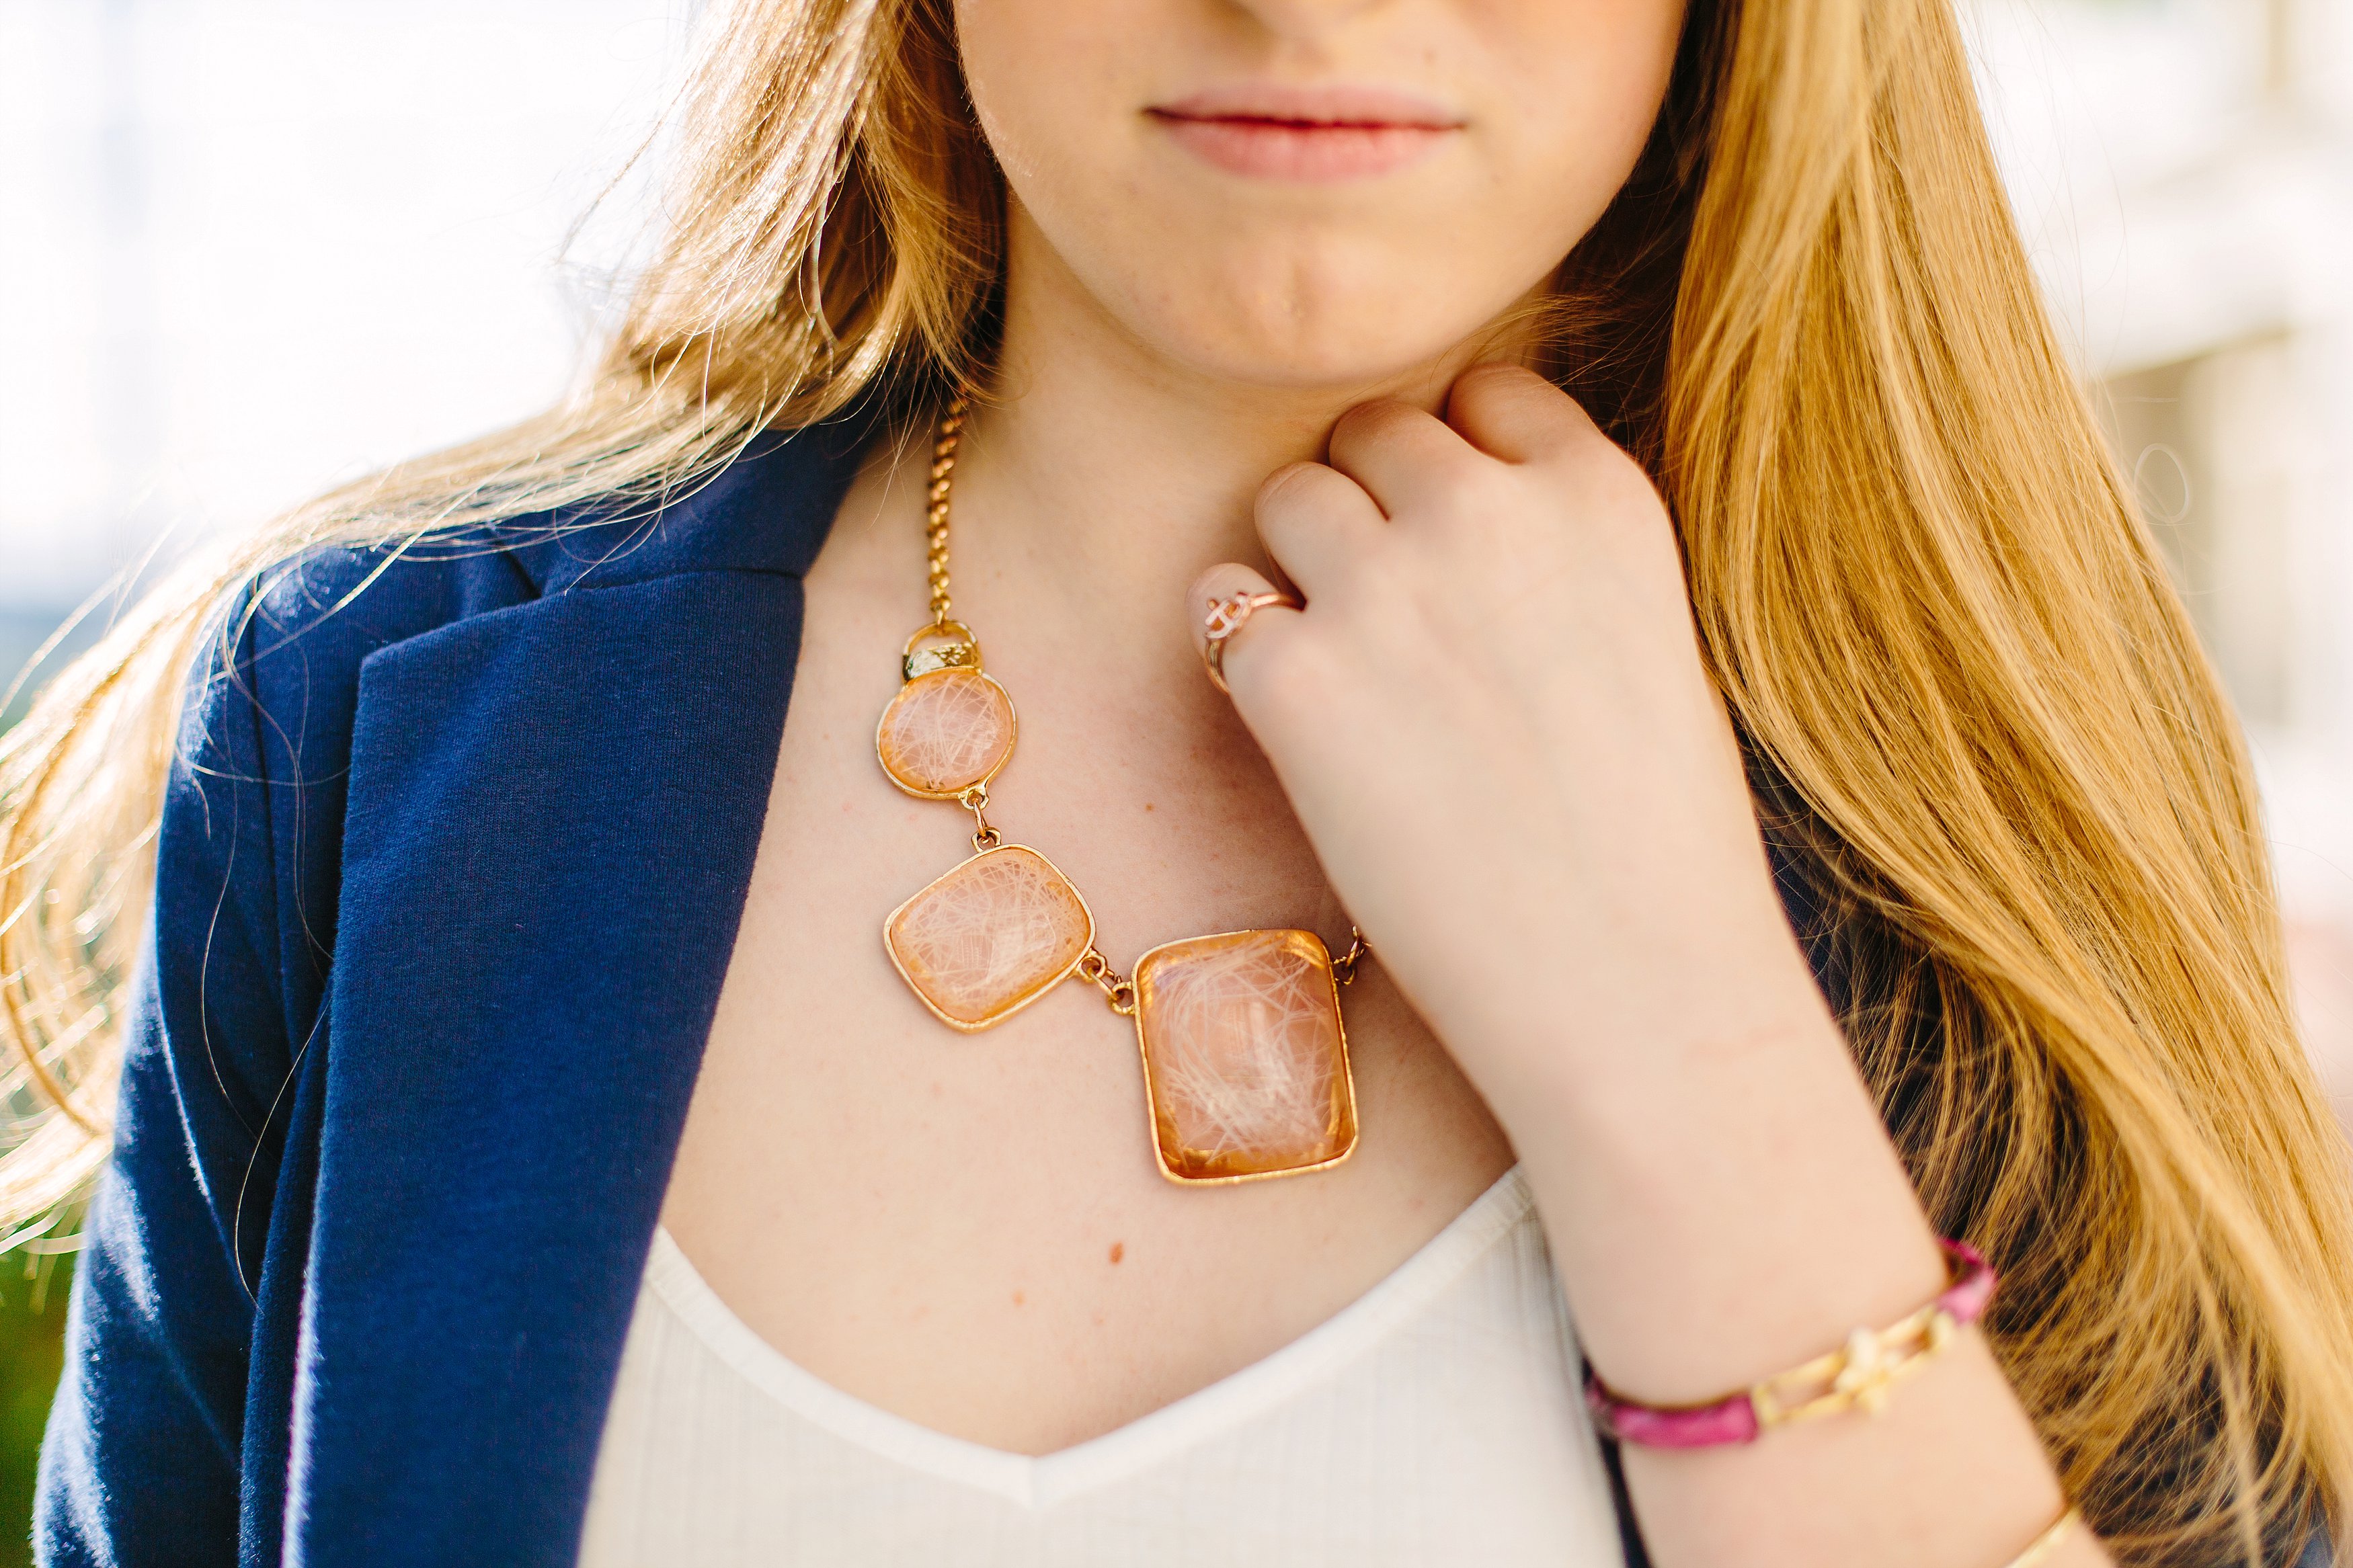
1433, 1420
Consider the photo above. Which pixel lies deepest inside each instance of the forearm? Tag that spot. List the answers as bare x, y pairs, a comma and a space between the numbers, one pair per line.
1495, 720
1723, 1203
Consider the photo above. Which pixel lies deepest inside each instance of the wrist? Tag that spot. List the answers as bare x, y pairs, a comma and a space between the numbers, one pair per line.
1720, 1209
1586, 1027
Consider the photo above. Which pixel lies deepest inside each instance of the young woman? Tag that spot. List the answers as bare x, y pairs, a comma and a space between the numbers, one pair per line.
1578, 496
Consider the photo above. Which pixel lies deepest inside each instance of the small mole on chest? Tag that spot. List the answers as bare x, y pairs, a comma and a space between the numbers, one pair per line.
1118, 1250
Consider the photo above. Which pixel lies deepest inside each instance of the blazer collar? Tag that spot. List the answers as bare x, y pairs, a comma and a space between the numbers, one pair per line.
768, 512
553, 812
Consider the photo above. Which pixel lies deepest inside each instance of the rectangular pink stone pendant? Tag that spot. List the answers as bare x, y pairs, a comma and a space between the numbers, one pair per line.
1245, 1063
990, 937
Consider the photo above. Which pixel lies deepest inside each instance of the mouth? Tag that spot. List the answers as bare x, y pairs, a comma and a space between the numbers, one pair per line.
1269, 131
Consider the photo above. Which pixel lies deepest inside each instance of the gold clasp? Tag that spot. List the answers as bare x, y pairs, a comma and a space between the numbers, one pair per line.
1858, 1375
947, 645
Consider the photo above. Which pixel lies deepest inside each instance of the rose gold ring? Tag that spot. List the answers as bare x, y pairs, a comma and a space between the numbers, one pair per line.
1225, 617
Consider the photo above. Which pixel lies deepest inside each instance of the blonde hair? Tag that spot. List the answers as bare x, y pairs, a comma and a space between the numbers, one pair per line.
1979, 726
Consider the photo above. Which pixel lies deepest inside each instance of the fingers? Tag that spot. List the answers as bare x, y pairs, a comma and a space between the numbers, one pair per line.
1496, 415
1315, 521
1388, 459
1403, 458
1513, 413
1252, 627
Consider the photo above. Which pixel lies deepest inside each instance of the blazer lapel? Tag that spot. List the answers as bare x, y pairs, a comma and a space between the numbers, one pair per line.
554, 813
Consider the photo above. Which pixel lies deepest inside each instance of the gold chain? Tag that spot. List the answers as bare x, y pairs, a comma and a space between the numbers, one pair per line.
935, 517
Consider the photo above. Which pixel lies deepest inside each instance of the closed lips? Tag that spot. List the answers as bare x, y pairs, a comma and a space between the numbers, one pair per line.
1306, 133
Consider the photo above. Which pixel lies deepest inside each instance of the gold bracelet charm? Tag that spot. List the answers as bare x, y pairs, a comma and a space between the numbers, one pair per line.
1858, 1375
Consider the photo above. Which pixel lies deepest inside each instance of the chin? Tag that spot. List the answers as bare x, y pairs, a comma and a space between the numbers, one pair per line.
1298, 328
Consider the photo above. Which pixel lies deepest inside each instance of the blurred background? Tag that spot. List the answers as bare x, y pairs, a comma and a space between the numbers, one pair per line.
252, 247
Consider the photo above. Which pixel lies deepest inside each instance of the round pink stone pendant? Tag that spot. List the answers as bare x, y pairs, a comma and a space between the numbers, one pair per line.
947, 731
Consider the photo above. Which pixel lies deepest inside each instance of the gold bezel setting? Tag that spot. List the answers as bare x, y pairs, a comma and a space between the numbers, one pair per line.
1012, 735
1321, 956
998, 1015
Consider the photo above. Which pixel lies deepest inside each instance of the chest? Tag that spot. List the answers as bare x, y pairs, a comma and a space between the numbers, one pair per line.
969, 1230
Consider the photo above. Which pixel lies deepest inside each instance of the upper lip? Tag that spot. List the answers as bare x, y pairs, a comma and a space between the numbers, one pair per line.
1338, 105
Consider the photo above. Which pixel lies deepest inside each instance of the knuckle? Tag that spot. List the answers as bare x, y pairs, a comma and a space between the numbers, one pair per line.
1481, 496
1501, 379
1521, 395
1279, 673
1368, 424
1351, 429
1584, 445
1370, 414
1287, 487
1466, 467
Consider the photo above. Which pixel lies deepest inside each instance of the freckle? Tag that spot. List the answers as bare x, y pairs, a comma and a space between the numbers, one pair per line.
1147, 805
1018, 1299
1099, 1319
1118, 1250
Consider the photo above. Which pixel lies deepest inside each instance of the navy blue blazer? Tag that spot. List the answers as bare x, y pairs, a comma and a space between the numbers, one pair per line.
449, 876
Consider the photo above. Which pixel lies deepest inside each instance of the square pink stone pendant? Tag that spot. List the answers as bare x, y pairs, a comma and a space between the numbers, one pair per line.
1245, 1064
990, 937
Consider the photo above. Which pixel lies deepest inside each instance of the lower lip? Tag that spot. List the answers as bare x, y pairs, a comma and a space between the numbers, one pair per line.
1295, 150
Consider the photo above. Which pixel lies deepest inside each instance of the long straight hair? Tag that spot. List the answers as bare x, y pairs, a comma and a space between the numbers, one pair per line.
1978, 724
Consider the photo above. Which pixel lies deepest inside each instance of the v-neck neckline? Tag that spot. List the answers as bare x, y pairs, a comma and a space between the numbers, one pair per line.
1038, 1481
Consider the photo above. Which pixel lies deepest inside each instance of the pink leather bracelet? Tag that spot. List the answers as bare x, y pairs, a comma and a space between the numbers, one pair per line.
1859, 1374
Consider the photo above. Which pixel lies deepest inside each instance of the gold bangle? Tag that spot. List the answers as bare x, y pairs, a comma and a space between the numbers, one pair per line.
2043, 1544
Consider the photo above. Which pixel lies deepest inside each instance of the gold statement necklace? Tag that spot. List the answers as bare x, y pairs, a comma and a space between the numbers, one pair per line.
1245, 1062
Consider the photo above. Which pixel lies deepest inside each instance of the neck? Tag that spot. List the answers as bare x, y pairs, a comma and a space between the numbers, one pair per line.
1102, 478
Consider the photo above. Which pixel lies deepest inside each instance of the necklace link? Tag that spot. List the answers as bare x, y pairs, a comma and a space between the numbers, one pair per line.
1117, 988
975, 801
1344, 968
